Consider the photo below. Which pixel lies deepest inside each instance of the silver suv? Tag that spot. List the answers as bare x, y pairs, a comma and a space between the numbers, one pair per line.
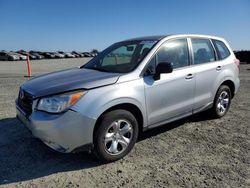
131, 86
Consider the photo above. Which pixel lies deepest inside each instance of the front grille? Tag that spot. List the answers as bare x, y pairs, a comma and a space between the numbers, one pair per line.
25, 101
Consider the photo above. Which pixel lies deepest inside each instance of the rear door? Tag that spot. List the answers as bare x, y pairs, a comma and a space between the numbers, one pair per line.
206, 71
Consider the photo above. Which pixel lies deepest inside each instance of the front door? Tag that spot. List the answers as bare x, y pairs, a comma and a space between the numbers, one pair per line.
172, 95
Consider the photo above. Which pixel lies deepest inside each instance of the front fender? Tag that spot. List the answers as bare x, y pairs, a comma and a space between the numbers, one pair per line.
98, 100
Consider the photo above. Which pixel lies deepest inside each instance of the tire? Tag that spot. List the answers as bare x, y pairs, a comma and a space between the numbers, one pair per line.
222, 101
10, 59
115, 136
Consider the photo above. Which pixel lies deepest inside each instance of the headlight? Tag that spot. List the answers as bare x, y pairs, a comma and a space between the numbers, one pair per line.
59, 103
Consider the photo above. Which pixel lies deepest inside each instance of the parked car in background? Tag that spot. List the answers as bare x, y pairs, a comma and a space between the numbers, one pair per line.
87, 54
48, 55
58, 55
69, 55
33, 55
77, 54
66, 54
81, 55
94, 54
21, 56
26, 53
36, 54
61, 52
6, 56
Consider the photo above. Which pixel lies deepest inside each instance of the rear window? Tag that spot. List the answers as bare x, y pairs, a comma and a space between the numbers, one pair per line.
221, 49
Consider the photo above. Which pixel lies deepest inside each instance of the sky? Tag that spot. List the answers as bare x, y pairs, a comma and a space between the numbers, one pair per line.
83, 25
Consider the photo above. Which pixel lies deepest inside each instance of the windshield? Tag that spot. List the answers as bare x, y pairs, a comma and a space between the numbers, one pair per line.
121, 57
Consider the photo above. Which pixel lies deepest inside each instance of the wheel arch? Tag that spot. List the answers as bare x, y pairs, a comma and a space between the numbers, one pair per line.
230, 84
132, 108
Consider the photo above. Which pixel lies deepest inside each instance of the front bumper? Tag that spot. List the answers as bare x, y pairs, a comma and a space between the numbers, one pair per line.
64, 132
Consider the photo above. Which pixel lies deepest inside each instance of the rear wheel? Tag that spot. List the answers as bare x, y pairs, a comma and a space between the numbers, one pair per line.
116, 135
222, 101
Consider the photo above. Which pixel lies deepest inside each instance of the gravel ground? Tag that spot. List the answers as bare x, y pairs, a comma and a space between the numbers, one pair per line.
194, 152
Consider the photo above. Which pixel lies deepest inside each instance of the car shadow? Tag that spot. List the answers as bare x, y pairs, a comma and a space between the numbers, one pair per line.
23, 157
199, 117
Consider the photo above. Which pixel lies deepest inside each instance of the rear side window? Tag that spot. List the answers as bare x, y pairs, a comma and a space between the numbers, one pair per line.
221, 49
203, 51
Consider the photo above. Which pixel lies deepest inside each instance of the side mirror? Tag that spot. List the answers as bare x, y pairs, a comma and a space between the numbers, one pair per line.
163, 67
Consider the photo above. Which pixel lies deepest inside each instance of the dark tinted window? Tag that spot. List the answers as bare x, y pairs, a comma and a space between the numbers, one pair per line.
203, 51
221, 48
175, 52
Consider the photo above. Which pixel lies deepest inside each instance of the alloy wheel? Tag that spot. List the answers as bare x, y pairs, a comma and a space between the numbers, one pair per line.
118, 137
223, 102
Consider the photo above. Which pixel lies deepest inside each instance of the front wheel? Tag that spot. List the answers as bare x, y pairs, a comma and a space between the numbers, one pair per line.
116, 135
222, 101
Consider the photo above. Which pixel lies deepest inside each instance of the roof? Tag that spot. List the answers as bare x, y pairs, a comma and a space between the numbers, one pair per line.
156, 37
159, 37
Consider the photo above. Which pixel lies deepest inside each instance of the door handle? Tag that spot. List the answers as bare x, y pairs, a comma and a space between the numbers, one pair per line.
189, 76
218, 68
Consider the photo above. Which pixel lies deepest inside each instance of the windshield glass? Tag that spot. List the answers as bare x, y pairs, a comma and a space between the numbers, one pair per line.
121, 57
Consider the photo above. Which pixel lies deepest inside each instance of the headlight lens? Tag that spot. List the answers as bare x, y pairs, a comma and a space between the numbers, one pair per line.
59, 103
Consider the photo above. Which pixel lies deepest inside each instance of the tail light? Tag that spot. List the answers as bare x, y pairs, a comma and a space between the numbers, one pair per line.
237, 62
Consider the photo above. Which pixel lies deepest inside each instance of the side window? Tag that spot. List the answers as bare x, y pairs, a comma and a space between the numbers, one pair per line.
221, 48
151, 66
203, 51
175, 52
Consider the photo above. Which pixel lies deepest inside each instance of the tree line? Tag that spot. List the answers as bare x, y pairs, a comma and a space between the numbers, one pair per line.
243, 56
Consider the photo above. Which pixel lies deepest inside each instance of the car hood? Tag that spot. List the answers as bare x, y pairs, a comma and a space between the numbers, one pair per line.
67, 80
